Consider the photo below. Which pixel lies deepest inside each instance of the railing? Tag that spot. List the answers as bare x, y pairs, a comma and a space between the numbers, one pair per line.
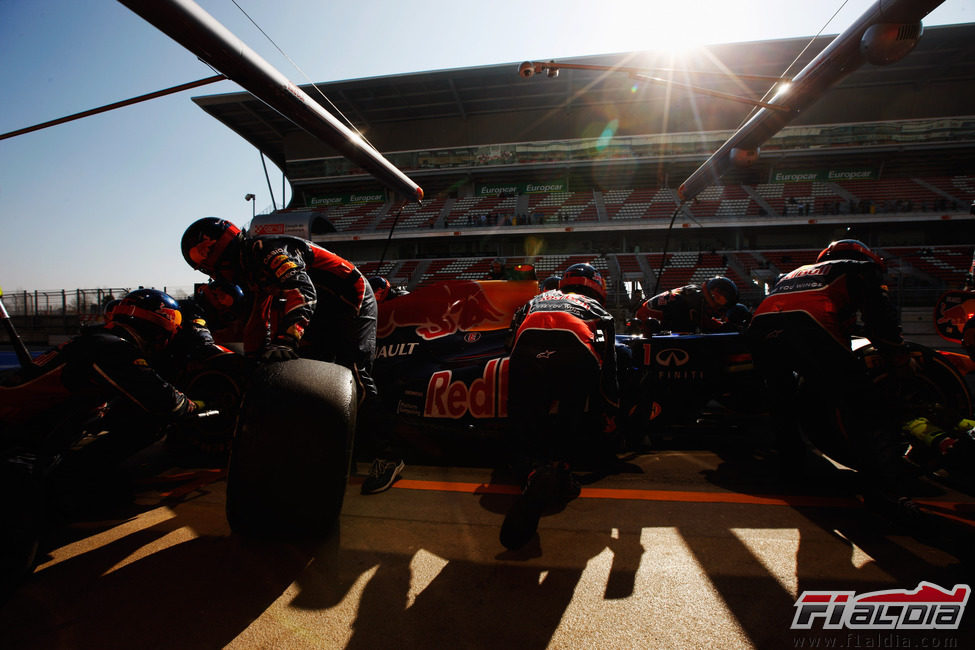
84, 303
918, 275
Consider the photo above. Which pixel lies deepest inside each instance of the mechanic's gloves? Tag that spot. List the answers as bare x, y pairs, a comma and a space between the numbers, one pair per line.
283, 348
188, 409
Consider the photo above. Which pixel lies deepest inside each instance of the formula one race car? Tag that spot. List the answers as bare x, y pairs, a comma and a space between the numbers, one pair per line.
442, 371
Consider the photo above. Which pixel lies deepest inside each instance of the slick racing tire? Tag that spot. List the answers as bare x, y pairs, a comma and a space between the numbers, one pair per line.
290, 459
936, 390
22, 513
935, 386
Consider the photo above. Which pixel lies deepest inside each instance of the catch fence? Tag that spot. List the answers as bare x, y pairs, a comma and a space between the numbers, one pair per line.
84, 303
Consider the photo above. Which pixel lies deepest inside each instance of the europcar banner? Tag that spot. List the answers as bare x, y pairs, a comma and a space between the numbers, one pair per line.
823, 175
496, 189
321, 201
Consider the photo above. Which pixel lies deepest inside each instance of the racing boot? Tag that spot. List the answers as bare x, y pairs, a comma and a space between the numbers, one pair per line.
382, 475
521, 522
568, 485
888, 479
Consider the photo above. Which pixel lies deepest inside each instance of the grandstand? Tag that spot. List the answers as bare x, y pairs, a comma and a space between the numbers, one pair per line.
585, 168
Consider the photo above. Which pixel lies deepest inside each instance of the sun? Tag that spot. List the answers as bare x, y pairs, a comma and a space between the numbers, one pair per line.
673, 28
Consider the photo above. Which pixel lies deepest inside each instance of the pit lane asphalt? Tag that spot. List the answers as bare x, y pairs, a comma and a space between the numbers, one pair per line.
682, 548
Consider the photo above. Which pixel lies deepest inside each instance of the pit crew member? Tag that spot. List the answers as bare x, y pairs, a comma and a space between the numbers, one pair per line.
563, 393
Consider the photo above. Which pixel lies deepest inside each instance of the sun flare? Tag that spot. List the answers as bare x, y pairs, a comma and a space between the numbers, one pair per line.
673, 28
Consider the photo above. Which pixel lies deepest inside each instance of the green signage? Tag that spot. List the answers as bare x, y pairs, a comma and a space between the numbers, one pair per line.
494, 189
553, 186
850, 174
823, 175
342, 199
323, 201
374, 197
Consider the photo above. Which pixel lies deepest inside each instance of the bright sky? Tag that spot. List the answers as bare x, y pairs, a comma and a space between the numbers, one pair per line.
103, 201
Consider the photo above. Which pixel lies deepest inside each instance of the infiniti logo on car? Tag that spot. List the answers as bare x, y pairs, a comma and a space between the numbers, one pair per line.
673, 357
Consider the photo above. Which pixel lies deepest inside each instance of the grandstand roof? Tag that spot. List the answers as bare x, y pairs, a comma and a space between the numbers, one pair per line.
493, 104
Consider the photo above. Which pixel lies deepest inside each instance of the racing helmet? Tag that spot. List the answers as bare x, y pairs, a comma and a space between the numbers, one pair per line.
109, 306
152, 314
850, 249
549, 283
497, 270
205, 244
220, 301
380, 287
584, 279
720, 293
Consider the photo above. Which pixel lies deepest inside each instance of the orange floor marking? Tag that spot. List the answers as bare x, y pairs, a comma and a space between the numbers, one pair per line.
636, 495
950, 510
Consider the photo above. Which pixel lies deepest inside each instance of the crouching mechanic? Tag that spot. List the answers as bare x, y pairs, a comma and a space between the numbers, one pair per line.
50, 402
384, 291
306, 301
563, 393
803, 328
213, 306
691, 308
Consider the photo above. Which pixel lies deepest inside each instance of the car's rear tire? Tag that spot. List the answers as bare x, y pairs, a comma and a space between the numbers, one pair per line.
935, 390
290, 459
22, 505
220, 390
936, 385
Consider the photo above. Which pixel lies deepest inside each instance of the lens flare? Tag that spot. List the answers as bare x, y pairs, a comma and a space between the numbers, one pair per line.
607, 135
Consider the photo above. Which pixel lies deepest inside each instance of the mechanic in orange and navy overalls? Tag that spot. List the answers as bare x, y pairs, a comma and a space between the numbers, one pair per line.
48, 402
307, 301
563, 358
690, 309
803, 328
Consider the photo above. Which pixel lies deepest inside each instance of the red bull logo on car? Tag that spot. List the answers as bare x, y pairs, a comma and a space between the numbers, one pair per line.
957, 315
458, 305
952, 311
485, 397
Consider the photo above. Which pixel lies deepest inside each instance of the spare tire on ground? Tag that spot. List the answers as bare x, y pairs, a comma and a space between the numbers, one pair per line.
292, 449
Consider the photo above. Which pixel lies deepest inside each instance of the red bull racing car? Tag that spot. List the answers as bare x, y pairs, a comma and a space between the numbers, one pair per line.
441, 366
